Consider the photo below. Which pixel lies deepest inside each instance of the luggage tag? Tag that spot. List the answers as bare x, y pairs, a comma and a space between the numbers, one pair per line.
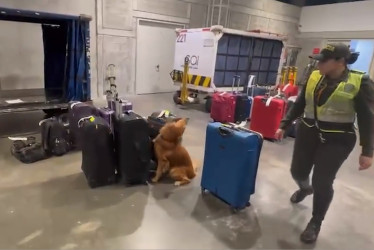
164, 113
161, 114
285, 87
90, 118
17, 138
268, 101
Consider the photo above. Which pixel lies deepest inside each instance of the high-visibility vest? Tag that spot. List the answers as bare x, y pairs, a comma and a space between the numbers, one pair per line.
339, 107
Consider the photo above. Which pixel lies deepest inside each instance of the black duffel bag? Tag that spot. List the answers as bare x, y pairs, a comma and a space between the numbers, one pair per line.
28, 151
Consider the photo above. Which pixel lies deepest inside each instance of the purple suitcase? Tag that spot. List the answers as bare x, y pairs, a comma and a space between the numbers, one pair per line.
77, 111
108, 115
126, 105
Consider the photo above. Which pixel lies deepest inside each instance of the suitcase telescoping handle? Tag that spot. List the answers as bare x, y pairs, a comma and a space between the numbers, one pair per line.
251, 78
235, 79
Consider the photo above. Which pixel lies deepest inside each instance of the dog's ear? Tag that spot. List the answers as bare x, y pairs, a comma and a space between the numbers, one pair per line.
181, 123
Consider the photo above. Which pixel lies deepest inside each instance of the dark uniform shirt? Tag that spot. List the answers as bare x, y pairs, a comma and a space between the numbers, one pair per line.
364, 106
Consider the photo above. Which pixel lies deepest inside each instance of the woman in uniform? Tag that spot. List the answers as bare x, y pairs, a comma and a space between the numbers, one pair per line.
329, 104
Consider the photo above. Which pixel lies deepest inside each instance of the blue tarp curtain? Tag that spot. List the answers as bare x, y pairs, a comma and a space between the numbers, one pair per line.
78, 81
66, 52
55, 40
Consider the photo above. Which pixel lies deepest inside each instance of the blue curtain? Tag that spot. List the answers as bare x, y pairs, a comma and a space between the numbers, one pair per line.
66, 60
54, 40
78, 78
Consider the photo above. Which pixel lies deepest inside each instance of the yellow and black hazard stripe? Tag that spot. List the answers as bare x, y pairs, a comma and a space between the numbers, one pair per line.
196, 80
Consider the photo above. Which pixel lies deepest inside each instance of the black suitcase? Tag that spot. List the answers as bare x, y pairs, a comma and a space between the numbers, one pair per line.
157, 120
77, 111
98, 154
243, 103
133, 148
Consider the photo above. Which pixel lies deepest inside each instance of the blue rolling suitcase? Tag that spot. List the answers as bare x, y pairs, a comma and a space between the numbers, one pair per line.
230, 163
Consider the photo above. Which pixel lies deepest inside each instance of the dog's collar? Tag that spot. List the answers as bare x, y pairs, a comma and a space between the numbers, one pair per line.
172, 141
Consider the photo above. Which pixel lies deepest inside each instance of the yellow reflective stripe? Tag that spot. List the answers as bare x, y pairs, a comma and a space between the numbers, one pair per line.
325, 130
206, 82
197, 80
189, 78
336, 131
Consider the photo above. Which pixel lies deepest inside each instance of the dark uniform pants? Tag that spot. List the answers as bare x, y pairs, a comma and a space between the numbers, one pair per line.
326, 158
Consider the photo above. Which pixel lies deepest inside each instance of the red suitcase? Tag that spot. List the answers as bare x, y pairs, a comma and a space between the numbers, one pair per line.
223, 107
267, 114
290, 90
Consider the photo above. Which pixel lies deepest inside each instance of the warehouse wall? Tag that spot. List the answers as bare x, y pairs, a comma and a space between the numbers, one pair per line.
21, 62
113, 31
265, 15
318, 24
353, 16
117, 22
21, 59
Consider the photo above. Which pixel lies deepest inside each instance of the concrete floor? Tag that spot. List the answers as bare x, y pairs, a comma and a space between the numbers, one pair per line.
49, 205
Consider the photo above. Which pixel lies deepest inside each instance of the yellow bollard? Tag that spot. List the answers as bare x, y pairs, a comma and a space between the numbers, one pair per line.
184, 90
295, 75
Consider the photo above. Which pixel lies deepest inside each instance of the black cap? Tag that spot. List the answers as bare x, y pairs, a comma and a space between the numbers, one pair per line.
333, 51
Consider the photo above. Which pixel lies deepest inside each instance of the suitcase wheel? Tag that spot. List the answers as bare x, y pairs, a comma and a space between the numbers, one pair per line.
235, 210
203, 191
248, 204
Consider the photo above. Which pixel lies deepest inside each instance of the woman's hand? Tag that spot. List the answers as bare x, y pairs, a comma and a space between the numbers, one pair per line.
365, 162
279, 134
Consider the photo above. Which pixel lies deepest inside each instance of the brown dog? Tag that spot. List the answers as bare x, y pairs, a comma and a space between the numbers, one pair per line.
172, 157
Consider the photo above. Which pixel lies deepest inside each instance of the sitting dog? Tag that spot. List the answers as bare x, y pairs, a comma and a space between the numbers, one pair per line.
172, 157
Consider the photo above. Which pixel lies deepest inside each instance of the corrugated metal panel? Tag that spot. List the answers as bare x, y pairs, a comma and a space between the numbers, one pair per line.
164, 7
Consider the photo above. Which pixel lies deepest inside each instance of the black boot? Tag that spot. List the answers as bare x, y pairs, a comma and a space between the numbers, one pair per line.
311, 232
300, 195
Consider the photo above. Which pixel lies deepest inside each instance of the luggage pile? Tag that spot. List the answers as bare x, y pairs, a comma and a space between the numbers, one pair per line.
232, 152
235, 106
116, 143
263, 106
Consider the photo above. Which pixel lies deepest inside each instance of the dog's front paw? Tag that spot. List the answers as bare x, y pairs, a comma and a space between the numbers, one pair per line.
155, 180
177, 183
